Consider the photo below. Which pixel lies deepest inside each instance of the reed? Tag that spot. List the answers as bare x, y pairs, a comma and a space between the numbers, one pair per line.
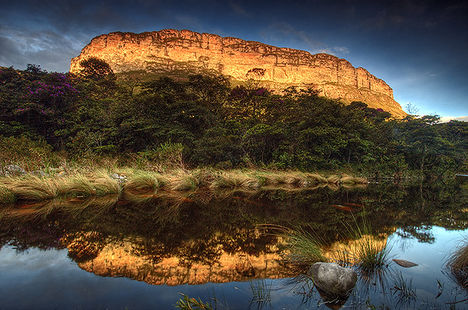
86, 183
334, 179
184, 181
346, 179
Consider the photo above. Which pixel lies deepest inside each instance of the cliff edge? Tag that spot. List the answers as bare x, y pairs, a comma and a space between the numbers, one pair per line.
274, 67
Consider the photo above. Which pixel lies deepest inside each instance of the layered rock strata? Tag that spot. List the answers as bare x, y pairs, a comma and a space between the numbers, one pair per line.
171, 50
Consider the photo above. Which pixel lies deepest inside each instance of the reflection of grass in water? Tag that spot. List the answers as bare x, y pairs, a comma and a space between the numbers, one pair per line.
261, 292
403, 288
458, 264
190, 303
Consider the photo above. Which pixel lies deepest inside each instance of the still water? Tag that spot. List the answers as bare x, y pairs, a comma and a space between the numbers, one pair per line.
144, 252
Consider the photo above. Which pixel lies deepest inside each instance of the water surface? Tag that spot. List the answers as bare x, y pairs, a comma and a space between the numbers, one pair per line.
224, 248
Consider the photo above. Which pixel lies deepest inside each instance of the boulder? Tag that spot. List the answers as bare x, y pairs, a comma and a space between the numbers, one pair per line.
334, 281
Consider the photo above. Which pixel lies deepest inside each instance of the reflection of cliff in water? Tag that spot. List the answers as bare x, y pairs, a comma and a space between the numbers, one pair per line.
128, 259
201, 237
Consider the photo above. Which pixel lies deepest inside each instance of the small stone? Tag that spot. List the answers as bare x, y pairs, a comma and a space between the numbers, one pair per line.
39, 173
13, 170
333, 280
120, 178
404, 263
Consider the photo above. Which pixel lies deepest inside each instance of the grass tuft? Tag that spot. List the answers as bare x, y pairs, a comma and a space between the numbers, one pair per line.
33, 188
142, 182
76, 186
6, 195
458, 263
304, 248
367, 251
190, 303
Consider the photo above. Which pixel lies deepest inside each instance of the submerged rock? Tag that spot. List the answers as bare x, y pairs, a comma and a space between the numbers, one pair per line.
404, 263
334, 281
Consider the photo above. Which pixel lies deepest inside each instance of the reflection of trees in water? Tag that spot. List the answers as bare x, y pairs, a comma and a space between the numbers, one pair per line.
196, 226
422, 233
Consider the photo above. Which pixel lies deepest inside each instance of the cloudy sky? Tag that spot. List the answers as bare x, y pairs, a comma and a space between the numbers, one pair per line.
419, 48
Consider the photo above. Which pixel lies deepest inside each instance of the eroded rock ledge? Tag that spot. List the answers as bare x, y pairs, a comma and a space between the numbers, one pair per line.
275, 67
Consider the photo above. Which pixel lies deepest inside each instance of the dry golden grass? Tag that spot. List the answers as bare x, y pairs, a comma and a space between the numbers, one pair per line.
334, 179
6, 195
235, 179
458, 263
33, 188
346, 179
137, 182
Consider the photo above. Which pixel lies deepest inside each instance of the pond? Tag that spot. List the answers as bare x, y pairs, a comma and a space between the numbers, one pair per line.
226, 249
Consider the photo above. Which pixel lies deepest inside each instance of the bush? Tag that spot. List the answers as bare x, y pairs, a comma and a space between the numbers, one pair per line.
26, 153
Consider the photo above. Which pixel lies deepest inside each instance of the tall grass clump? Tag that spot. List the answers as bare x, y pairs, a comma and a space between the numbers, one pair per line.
235, 179
34, 188
142, 182
346, 179
366, 251
105, 185
76, 186
458, 263
6, 195
185, 181
304, 248
190, 303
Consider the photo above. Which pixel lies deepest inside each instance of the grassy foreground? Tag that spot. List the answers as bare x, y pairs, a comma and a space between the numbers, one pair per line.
131, 181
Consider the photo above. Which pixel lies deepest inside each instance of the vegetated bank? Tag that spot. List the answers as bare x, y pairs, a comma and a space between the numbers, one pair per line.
49, 120
130, 182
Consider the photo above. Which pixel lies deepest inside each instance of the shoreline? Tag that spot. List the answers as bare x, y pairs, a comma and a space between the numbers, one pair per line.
127, 181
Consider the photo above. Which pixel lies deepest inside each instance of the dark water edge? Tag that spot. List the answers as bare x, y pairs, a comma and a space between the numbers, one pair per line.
113, 254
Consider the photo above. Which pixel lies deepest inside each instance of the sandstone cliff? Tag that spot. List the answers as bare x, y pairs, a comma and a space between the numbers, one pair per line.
277, 68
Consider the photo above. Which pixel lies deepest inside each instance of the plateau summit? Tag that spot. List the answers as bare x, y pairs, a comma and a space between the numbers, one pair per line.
272, 67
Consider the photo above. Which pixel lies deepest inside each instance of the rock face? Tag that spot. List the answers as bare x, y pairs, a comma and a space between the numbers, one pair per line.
171, 50
333, 279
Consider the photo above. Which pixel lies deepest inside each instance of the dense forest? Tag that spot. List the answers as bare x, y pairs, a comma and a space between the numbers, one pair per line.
45, 117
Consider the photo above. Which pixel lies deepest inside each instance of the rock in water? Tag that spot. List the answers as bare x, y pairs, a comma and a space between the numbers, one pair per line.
334, 280
404, 263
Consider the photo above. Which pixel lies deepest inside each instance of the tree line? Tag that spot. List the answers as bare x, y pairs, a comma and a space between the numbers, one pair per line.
95, 113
